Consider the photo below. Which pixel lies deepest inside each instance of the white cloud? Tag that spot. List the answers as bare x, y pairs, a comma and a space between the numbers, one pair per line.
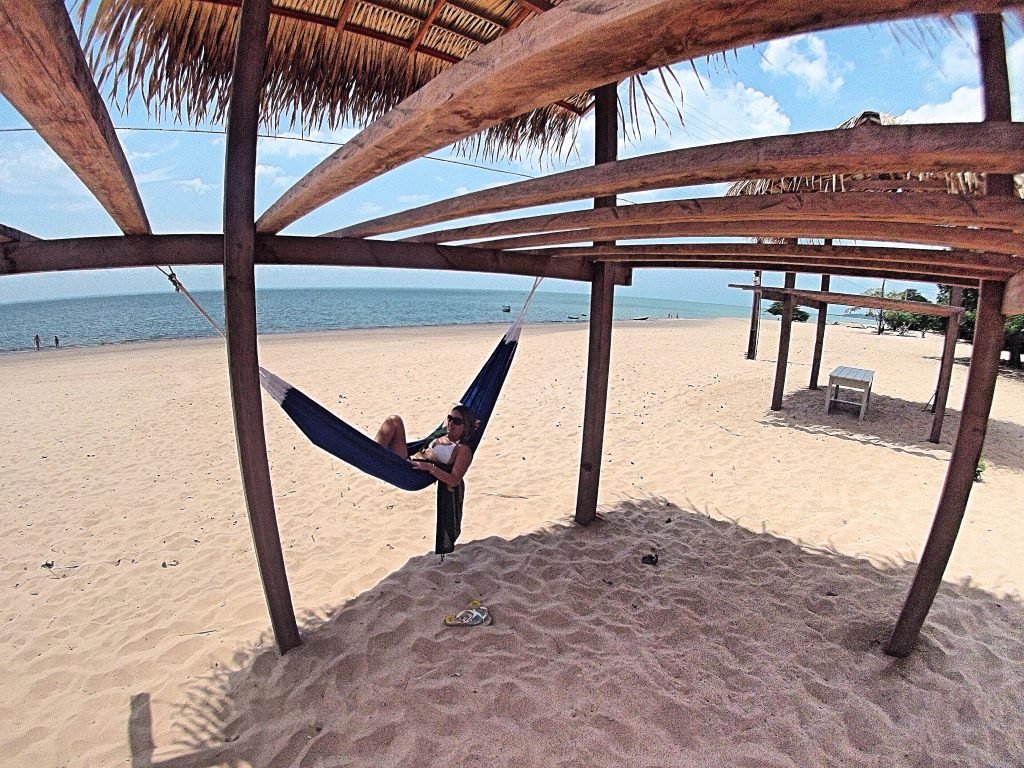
958, 63
1015, 61
274, 175
963, 106
156, 175
410, 199
369, 209
807, 59
196, 186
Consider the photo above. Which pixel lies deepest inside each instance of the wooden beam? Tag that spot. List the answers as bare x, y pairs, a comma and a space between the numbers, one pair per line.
12, 235
923, 148
576, 46
602, 298
1013, 301
819, 334
854, 300
240, 316
981, 382
887, 207
956, 295
995, 80
425, 26
996, 241
784, 335
824, 254
802, 269
43, 73
29, 257
755, 318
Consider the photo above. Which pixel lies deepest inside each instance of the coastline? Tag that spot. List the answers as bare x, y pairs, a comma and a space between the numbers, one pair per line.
120, 469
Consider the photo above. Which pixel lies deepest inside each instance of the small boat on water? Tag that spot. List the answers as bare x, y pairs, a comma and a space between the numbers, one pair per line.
573, 317
506, 307
646, 317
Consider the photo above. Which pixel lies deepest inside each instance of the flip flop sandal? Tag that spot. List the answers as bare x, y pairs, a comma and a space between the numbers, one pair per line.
471, 617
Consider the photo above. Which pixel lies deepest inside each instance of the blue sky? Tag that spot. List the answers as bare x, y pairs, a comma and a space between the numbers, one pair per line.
922, 72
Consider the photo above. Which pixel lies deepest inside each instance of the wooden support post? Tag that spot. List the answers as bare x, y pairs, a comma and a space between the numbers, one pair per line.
956, 299
240, 315
981, 378
819, 334
981, 382
784, 333
755, 319
602, 297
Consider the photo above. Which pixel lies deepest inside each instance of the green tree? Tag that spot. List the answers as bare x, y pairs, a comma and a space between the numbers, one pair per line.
798, 314
1013, 330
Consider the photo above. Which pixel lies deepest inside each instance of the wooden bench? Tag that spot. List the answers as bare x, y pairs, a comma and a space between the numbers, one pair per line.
845, 377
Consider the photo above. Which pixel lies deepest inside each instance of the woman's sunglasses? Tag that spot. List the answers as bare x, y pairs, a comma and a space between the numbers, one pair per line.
455, 420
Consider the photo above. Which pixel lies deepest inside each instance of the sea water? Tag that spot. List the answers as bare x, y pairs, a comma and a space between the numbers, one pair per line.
94, 321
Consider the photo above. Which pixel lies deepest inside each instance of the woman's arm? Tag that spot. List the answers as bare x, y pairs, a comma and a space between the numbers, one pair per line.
463, 458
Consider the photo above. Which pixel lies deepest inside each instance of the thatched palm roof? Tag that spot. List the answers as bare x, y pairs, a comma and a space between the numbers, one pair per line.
900, 181
329, 62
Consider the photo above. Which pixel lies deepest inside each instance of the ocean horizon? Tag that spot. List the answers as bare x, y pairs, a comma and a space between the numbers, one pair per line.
123, 319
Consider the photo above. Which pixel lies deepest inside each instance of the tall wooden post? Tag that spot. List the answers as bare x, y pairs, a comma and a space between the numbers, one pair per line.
784, 333
240, 315
755, 318
819, 333
602, 296
981, 378
956, 299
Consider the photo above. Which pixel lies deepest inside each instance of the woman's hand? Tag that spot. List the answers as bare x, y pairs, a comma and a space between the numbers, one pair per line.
422, 466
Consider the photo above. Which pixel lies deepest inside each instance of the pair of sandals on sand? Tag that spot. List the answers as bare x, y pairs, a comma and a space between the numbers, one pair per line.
474, 616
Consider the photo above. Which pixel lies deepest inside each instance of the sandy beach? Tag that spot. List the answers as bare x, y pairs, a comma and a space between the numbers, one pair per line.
136, 633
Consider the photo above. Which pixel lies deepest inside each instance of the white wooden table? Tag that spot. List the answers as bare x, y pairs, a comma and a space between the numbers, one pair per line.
845, 377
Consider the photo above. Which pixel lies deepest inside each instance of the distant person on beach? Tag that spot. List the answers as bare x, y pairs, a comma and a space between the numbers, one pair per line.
448, 457
38, 342
56, 342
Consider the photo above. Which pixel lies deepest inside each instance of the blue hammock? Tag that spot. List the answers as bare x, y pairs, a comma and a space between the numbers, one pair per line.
350, 445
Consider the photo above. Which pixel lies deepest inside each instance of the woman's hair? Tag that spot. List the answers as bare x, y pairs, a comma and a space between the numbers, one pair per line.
470, 424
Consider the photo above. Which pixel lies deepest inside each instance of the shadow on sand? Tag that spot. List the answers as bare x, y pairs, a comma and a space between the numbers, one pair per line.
733, 642
897, 424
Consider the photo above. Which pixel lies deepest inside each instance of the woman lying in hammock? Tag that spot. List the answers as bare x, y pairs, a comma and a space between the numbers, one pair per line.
448, 457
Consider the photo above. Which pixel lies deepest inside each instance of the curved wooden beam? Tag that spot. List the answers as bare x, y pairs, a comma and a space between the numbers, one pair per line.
867, 149
575, 47
893, 207
32, 257
995, 241
907, 275
828, 252
44, 75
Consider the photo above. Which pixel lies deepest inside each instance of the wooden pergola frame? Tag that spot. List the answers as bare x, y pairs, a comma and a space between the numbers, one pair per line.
820, 300
589, 43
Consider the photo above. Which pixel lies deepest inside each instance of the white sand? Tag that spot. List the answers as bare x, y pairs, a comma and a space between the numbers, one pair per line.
786, 544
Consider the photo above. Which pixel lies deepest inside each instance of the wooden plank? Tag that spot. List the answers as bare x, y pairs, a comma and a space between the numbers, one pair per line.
996, 241
1013, 301
946, 365
575, 47
602, 296
12, 235
240, 316
888, 207
755, 318
995, 90
156, 250
43, 73
981, 382
803, 269
857, 300
819, 333
425, 26
824, 253
785, 331
981, 379
924, 148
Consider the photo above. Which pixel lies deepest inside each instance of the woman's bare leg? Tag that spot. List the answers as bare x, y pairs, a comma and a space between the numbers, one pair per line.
392, 436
